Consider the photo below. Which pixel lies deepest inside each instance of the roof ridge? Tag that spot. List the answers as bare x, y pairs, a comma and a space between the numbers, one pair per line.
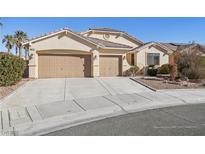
105, 28
114, 31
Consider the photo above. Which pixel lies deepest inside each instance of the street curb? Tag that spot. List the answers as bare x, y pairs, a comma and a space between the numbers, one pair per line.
65, 123
145, 85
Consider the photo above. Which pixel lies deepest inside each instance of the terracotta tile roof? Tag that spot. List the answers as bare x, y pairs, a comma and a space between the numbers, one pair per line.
168, 50
117, 31
107, 43
171, 46
99, 42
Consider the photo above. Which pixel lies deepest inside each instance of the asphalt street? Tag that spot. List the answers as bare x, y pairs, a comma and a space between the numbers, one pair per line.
188, 120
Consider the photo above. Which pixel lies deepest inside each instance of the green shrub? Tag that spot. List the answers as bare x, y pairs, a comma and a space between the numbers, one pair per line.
165, 69
11, 69
152, 71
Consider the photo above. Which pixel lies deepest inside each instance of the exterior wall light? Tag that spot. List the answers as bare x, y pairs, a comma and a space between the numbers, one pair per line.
95, 57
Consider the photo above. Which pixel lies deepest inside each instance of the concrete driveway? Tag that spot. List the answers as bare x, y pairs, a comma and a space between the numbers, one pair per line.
43, 91
45, 105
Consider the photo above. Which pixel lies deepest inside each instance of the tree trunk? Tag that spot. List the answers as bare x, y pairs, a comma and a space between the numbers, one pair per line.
20, 52
16, 51
26, 55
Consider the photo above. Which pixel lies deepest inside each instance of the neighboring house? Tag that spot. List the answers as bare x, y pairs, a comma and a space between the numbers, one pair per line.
193, 47
96, 52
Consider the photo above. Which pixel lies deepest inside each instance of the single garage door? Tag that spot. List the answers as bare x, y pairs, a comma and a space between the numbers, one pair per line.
58, 66
110, 65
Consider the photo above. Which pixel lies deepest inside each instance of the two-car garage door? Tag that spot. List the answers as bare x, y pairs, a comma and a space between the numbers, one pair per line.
57, 66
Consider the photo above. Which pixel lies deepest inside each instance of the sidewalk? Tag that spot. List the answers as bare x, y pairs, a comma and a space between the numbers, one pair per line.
44, 118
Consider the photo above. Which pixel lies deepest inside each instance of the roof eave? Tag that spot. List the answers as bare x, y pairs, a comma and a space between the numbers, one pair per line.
169, 51
113, 48
65, 30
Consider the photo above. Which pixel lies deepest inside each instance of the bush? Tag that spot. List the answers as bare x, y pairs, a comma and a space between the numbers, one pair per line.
191, 73
152, 71
190, 63
11, 69
132, 71
173, 71
165, 69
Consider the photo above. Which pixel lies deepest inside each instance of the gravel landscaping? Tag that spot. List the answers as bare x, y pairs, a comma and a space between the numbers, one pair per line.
157, 84
4, 91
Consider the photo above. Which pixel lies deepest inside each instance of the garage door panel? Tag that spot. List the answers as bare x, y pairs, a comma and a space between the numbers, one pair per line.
64, 66
110, 65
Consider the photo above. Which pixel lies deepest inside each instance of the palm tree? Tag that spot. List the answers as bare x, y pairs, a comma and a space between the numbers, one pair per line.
9, 41
20, 37
26, 48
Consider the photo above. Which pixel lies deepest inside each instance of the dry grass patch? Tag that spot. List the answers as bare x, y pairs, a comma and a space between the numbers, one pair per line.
4, 91
161, 84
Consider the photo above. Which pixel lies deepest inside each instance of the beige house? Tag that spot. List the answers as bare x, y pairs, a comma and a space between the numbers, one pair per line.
142, 54
96, 52
151, 53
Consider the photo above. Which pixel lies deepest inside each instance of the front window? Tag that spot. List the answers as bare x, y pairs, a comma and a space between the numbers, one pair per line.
153, 58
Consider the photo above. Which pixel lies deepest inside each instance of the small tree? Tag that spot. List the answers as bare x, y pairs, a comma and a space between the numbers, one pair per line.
188, 60
173, 71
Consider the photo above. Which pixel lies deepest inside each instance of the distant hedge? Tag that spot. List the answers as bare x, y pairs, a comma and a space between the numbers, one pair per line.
11, 69
152, 71
165, 69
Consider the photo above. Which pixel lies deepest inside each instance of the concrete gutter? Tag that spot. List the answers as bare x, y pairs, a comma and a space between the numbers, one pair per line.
67, 121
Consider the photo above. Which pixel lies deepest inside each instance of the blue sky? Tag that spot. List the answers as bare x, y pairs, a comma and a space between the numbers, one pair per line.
181, 30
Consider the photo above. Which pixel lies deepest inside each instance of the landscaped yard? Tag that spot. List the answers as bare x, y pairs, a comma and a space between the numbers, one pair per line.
160, 84
4, 91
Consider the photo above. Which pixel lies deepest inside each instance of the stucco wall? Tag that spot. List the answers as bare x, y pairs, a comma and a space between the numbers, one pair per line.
129, 58
95, 63
33, 64
115, 38
142, 59
61, 43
